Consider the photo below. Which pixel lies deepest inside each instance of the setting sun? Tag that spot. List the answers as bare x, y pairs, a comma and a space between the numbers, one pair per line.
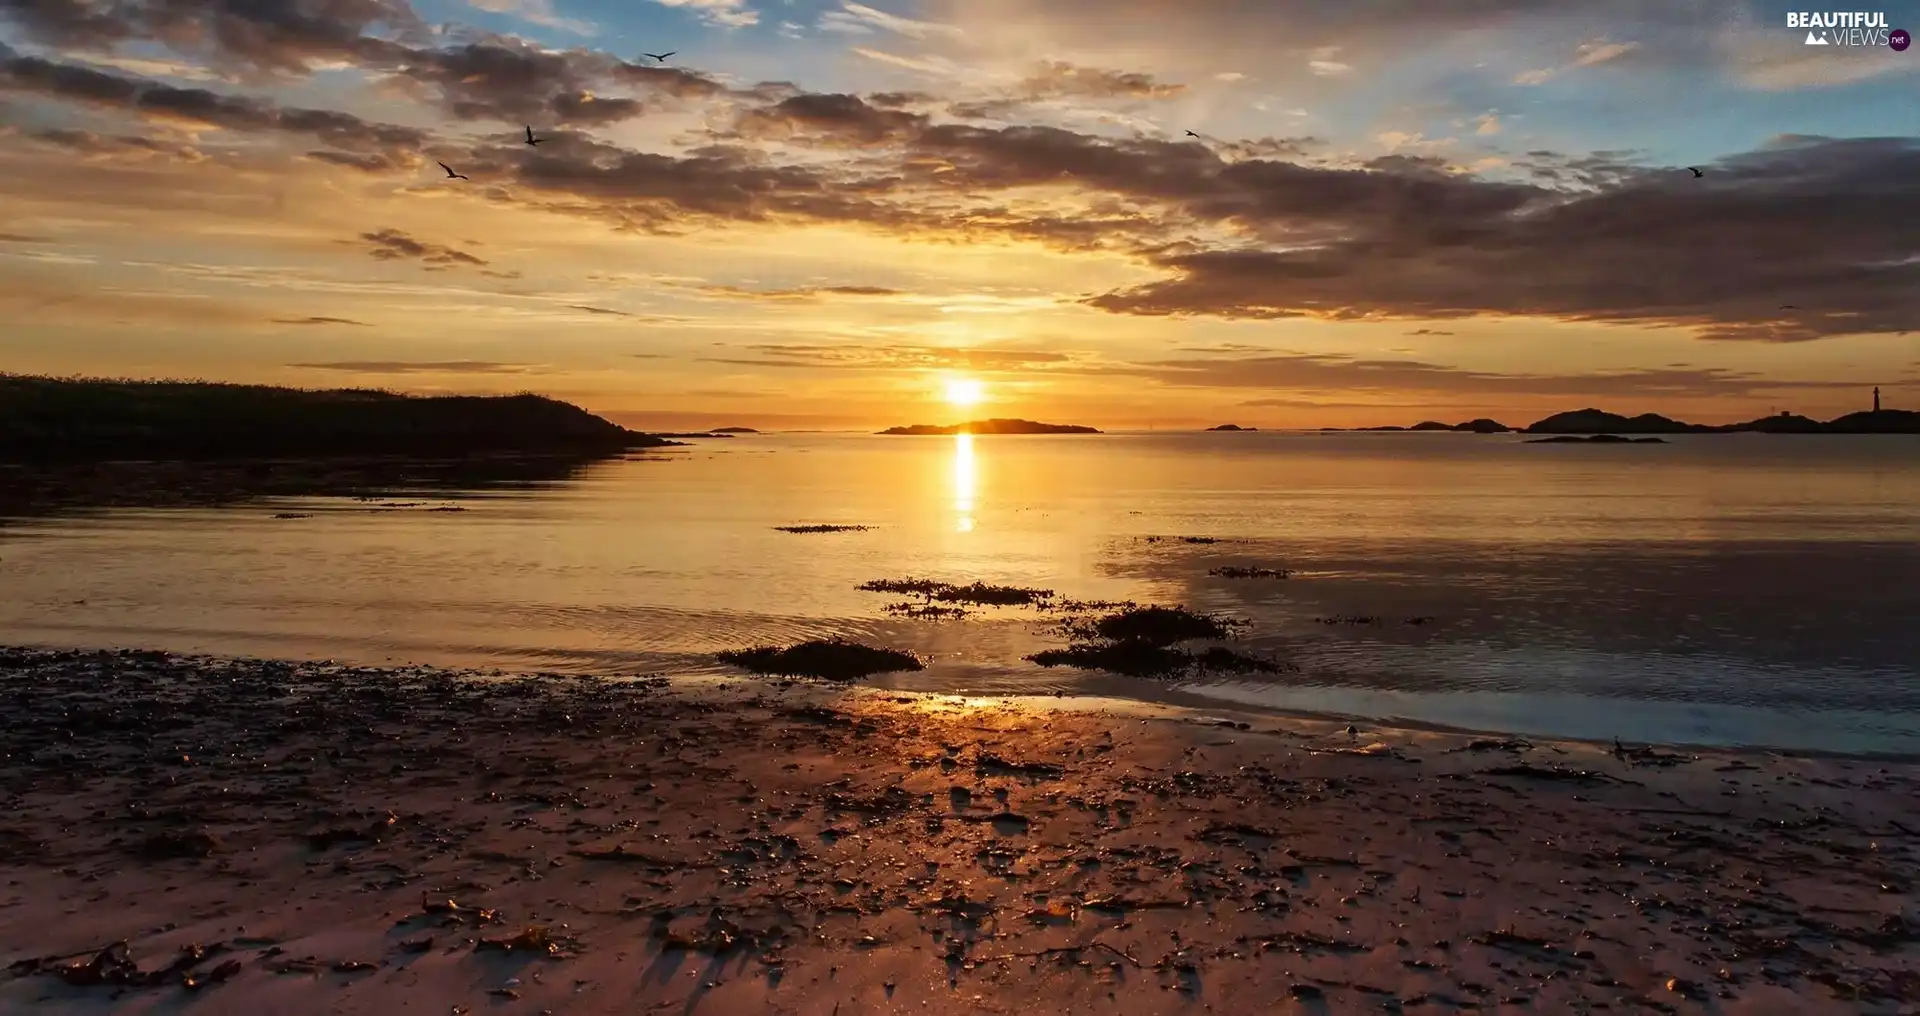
965, 392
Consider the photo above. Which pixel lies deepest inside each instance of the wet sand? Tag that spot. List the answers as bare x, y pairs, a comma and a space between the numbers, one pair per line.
298, 838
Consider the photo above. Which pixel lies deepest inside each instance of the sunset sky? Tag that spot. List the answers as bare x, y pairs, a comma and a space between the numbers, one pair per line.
824, 214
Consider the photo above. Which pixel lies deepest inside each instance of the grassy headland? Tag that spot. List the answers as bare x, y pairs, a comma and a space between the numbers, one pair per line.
45, 419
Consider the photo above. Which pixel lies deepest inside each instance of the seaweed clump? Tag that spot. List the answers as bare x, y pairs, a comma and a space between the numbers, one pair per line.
1238, 572
1143, 642
826, 659
979, 594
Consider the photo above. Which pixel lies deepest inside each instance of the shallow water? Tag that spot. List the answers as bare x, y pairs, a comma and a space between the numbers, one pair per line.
1721, 589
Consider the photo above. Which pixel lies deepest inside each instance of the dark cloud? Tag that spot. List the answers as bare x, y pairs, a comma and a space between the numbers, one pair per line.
1400, 240
320, 321
23, 238
598, 310
1245, 231
1719, 257
901, 100
69, 23
93, 143
1436, 331
199, 106
842, 117
1351, 375
479, 77
510, 80
1268, 148
418, 367
371, 162
648, 191
394, 245
259, 36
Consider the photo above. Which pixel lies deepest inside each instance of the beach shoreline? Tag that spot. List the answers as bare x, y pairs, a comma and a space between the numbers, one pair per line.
360, 840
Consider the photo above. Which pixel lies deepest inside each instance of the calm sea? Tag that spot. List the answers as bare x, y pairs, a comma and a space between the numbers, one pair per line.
1727, 589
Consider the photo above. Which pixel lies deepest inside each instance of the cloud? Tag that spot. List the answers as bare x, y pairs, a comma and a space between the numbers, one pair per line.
394, 245
892, 358
1781, 61
1064, 87
1717, 259
23, 238
809, 293
320, 321
1353, 375
1592, 54
240, 35
418, 367
193, 106
1587, 54
479, 76
842, 117
859, 19
1232, 229
514, 81
1323, 62
538, 12
724, 13
1428, 331
1057, 79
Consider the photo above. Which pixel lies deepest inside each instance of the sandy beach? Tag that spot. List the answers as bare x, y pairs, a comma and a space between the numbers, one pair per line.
220, 836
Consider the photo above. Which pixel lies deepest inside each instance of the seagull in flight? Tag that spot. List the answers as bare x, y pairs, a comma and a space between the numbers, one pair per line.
1192, 134
530, 138
662, 57
451, 175
1696, 171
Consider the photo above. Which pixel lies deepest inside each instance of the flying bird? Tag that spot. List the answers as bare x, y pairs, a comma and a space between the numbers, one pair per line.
1192, 134
451, 175
530, 138
662, 57
1697, 173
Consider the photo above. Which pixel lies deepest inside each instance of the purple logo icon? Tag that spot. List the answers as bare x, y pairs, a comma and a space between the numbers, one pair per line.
1899, 40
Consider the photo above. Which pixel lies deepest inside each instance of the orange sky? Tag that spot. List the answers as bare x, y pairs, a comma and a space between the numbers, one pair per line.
819, 215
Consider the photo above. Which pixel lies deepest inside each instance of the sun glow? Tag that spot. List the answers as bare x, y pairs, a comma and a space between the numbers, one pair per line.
965, 392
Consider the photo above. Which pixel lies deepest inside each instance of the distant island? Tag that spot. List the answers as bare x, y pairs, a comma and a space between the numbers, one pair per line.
733, 430
1232, 427
1595, 439
1480, 426
693, 433
1599, 422
46, 419
1594, 421
990, 427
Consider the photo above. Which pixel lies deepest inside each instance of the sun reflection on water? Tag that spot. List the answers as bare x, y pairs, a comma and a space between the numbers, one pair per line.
965, 482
